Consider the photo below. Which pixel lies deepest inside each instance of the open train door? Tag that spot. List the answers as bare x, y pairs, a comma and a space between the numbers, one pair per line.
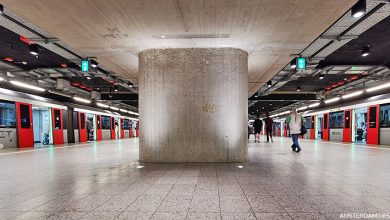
99, 132
347, 133
113, 134
325, 127
58, 130
82, 127
24, 125
122, 129
373, 127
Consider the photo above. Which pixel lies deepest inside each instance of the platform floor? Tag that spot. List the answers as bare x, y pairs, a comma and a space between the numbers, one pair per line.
102, 181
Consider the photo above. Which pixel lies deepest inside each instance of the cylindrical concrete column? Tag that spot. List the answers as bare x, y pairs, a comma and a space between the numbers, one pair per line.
193, 105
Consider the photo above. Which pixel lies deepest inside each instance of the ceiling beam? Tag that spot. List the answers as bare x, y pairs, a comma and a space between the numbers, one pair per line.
120, 97
285, 97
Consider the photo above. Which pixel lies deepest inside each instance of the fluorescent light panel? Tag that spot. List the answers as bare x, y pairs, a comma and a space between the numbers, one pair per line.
82, 100
313, 105
102, 105
353, 94
335, 99
114, 108
302, 108
27, 86
383, 86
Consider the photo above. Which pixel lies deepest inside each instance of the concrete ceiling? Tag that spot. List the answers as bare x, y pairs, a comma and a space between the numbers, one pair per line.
116, 31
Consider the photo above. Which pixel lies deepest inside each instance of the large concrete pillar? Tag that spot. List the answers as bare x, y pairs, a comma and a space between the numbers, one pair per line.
193, 105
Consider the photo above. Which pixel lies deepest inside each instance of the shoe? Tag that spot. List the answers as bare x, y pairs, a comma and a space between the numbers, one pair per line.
298, 150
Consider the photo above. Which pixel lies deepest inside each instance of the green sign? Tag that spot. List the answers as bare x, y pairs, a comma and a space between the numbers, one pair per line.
84, 65
301, 63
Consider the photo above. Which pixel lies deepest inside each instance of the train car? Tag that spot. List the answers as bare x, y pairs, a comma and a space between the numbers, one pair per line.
33, 121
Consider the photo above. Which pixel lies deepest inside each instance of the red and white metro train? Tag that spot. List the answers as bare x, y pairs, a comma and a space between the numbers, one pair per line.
33, 121
364, 122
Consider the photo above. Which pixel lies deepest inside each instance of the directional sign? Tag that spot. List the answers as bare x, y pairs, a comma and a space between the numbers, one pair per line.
301, 63
84, 65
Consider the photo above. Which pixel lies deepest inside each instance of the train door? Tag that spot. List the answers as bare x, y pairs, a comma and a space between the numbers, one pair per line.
126, 128
325, 127
122, 128
99, 133
360, 125
82, 127
319, 126
312, 127
24, 125
113, 128
91, 127
384, 135
76, 128
42, 126
347, 133
373, 127
58, 129
137, 128
131, 129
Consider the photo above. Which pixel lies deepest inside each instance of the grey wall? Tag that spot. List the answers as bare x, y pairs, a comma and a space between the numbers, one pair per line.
336, 134
193, 105
106, 134
8, 138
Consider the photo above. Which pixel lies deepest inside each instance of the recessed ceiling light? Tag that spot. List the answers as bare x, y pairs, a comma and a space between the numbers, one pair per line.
365, 51
163, 36
321, 76
269, 83
359, 9
1, 9
293, 63
116, 88
34, 50
298, 89
88, 77
139, 166
239, 166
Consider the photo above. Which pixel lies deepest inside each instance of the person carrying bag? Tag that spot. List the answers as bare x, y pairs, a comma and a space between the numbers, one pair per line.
297, 128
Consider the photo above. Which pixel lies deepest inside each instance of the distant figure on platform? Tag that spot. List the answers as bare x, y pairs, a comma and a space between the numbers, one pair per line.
295, 121
117, 130
258, 125
268, 127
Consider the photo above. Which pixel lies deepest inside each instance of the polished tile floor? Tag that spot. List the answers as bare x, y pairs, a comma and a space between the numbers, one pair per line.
102, 181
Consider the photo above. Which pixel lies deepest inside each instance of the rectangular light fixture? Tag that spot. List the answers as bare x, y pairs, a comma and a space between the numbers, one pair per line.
122, 110
314, 105
1, 79
302, 108
335, 99
27, 86
114, 108
353, 94
133, 113
383, 86
102, 105
82, 100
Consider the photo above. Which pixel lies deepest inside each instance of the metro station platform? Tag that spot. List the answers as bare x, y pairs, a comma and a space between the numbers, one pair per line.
103, 180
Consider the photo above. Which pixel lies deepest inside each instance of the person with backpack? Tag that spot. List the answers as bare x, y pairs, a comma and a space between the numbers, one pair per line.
296, 122
258, 126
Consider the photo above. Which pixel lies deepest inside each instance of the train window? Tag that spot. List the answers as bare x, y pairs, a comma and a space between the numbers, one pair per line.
25, 116
307, 122
372, 117
347, 119
126, 124
98, 125
325, 121
57, 119
64, 119
75, 121
312, 122
336, 120
385, 116
82, 120
105, 122
7, 115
